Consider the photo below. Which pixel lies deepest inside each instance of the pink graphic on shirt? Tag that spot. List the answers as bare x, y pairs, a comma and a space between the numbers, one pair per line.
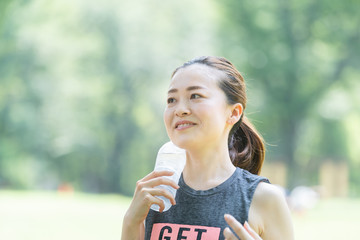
167, 231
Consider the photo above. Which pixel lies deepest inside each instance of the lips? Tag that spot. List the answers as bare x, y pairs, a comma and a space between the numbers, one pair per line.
184, 124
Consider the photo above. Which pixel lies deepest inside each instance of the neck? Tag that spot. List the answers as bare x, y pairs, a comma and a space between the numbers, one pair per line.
207, 167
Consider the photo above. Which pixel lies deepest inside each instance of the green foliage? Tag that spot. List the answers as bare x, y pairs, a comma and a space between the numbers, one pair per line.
83, 89
83, 83
294, 53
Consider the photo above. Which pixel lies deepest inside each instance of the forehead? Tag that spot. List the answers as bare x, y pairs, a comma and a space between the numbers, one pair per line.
196, 74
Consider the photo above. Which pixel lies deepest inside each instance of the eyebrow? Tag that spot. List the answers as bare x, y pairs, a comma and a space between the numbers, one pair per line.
191, 88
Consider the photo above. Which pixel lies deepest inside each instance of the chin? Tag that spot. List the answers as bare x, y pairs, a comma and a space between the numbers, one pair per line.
183, 143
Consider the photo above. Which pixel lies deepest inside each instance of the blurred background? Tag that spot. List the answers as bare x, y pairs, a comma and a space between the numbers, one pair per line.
83, 87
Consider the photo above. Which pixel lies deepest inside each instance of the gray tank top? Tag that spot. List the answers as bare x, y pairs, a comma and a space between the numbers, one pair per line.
199, 215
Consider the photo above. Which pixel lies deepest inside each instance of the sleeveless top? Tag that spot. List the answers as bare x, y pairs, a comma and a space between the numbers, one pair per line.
199, 215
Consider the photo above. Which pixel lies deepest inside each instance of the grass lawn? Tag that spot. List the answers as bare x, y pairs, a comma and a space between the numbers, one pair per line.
331, 219
55, 216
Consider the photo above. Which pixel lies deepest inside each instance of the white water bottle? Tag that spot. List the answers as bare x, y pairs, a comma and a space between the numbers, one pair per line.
170, 158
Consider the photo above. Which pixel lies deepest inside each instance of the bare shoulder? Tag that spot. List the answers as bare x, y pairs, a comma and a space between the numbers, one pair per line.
267, 195
270, 208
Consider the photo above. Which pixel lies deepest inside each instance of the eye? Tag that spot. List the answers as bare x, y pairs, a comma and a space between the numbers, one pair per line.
195, 96
170, 100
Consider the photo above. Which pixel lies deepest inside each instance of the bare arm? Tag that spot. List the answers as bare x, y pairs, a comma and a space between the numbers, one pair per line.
269, 217
145, 196
270, 207
133, 232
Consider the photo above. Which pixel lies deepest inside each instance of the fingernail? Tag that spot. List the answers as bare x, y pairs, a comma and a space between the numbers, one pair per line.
247, 224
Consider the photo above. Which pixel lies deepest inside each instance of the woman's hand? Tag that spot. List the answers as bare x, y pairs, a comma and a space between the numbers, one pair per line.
244, 232
145, 195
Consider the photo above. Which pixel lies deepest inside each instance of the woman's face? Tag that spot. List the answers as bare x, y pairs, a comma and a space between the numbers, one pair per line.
197, 112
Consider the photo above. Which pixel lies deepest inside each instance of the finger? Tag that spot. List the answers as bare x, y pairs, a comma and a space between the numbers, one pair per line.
151, 180
228, 234
162, 192
150, 200
155, 174
162, 181
237, 227
251, 231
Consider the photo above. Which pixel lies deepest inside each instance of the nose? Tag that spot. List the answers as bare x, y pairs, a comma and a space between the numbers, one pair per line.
182, 109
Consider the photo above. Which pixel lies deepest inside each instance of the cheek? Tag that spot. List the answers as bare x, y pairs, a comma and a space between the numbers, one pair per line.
215, 115
167, 118
209, 111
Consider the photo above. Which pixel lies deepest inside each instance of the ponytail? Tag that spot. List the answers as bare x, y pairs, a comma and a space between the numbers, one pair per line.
246, 147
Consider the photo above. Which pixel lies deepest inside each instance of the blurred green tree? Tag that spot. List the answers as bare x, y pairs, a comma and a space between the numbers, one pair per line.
294, 53
83, 84
90, 83
19, 119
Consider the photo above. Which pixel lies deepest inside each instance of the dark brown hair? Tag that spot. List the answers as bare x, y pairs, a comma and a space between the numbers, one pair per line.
246, 146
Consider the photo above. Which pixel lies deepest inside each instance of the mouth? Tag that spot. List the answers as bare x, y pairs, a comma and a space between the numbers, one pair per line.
184, 125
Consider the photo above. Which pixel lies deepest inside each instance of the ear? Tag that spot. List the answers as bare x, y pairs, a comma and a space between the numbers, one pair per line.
236, 112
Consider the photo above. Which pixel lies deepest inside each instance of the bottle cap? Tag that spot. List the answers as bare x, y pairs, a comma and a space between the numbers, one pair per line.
170, 147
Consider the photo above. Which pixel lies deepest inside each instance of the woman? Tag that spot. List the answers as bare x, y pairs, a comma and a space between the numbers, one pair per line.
220, 195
